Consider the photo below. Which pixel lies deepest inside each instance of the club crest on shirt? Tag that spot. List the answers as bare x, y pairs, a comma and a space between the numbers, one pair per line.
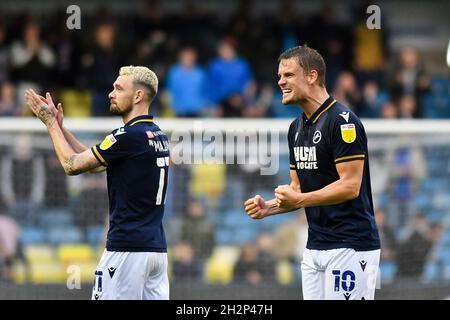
317, 137
348, 132
108, 142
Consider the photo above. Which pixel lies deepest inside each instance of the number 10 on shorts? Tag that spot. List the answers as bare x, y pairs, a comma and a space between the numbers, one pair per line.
346, 280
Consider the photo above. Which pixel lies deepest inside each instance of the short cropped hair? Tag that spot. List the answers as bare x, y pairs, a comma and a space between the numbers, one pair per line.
142, 76
309, 59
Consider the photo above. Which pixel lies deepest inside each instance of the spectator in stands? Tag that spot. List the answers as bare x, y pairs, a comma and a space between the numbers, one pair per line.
234, 106
186, 265
228, 74
4, 55
56, 190
290, 239
101, 63
8, 105
67, 46
407, 107
247, 270
408, 77
413, 249
261, 103
198, 230
370, 47
9, 246
372, 100
266, 261
389, 110
92, 208
186, 84
346, 90
407, 169
333, 39
23, 180
387, 237
31, 60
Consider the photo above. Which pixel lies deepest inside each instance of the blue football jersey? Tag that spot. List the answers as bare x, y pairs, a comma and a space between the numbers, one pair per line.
333, 134
137, 160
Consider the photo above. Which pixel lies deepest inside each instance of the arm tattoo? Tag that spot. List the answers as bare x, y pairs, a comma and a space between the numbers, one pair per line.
69, 163
45, 114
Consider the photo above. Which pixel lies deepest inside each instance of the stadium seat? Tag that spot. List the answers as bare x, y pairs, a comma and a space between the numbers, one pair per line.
54, 218
42, 273
445, 239
235, 228
39, 254
95, 235
387, 271
219, 267
284, 272
431, 272
76, 103
443, 254
32, 235
446, 273
19, 273
69, 234
75, 253
440, 85
42, 265
208, 179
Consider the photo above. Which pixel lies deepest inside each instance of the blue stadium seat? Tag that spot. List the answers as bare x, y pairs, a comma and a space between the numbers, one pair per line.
55, 217
67, 234
224, 236
436, 107
95, 235
431, 272
422, 201
32, 235
443, 254
445, 238
236, 228
440, 85
387, 271
282, 111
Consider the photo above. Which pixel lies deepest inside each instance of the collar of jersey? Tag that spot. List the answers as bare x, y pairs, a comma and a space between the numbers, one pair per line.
138, 119
316, 115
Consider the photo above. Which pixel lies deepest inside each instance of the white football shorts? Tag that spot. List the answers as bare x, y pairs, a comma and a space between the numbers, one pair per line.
339, 274
131, 276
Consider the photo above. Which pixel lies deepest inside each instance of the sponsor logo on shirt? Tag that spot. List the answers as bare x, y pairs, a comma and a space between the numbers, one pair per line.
345, 115
306, 158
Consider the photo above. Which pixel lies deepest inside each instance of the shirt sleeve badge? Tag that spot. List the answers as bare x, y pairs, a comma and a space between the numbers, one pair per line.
108, 142
348, 132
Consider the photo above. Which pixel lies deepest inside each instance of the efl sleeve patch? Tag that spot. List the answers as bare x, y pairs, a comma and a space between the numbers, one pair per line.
348, 132
108, 142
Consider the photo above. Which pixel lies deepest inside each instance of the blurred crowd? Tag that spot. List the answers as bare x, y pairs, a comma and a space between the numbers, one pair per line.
208, 66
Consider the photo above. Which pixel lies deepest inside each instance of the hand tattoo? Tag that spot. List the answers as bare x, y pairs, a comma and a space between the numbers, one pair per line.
45, 114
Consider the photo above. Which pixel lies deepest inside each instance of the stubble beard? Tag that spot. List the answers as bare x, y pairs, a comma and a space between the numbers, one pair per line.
114, 109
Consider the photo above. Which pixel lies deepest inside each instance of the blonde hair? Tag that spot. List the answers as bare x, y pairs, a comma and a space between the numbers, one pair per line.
142, 76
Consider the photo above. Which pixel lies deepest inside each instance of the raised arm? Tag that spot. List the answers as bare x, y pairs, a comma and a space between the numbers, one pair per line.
73, 162
76, 145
